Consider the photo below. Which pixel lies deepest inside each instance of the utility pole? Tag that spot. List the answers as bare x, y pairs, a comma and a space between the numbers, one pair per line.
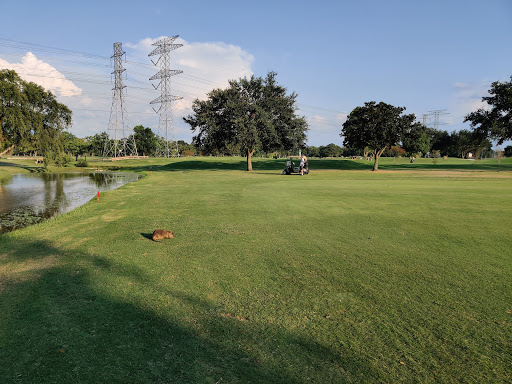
165, 126
118, 144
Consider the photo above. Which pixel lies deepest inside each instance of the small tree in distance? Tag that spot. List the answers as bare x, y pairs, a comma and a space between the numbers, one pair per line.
499, 154
330, 150
146, 140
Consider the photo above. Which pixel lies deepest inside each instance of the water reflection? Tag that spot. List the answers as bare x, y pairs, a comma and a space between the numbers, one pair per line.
29, 199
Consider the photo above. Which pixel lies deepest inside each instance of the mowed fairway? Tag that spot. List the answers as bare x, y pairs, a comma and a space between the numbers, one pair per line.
337, 276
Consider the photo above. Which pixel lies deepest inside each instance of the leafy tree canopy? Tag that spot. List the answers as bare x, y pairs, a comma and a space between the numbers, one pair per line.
96, 143
330, 150
253, 114
441, 141
465, 141
312, 151
30, 117
146, 140
377, 126
495, 122
416, 139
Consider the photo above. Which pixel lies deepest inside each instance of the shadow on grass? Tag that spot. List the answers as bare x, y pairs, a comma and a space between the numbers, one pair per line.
147, 236
22, 166
469, 166
233, 164
57, 326
258, 165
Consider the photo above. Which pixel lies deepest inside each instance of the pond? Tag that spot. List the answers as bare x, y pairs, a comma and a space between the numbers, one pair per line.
31, 198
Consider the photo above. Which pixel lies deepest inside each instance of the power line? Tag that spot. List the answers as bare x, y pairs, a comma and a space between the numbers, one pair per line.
45, 48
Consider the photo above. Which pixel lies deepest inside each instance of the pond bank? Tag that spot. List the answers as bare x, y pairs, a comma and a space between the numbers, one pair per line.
29, 198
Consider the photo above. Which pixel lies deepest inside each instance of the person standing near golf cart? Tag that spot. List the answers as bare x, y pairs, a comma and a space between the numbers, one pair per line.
303, 161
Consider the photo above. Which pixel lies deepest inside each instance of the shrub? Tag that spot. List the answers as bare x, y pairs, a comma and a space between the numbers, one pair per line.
187, 153
436, 154
82, 163
62, 159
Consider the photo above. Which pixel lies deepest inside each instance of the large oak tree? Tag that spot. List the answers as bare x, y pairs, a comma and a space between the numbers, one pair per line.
377, 126
252, 114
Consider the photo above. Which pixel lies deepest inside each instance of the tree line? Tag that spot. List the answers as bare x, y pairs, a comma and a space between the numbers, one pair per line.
427, 142
148, 144
254, 116
380, 127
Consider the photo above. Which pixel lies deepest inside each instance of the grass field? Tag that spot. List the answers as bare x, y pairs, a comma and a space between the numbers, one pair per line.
340, 276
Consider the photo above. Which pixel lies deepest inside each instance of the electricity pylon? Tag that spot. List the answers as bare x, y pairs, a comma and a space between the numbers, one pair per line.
118, 143
165, 125
436, 114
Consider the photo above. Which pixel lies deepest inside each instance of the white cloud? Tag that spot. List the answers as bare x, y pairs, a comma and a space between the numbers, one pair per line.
324, 129
205, 66
342, 117
468, 97
39, 72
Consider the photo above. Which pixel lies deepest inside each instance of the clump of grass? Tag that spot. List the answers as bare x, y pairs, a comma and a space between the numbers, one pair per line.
82, 163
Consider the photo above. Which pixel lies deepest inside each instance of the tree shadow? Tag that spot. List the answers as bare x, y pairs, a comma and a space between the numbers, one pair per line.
57, 326
22, 166
258, 164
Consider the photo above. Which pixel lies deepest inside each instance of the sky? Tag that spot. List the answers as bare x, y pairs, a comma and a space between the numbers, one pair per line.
335, 55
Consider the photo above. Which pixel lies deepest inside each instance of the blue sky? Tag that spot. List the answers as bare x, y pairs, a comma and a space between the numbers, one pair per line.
335, 55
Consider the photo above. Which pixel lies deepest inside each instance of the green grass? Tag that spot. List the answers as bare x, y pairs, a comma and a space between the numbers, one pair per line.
337, 276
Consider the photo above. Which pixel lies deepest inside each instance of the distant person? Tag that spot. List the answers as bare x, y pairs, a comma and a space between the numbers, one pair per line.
303, 162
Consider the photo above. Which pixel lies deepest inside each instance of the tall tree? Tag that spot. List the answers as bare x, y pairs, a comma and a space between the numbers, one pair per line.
74, 145
495, 122
416, 139
96, 143
441, 141
253, 114
377, 126
146, 140
13, 106
30, 116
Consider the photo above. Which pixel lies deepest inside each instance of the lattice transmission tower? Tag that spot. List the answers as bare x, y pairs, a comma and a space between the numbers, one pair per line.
118, 143
165, 125
436, 115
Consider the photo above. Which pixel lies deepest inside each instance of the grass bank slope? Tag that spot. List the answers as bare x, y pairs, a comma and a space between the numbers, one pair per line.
340, 276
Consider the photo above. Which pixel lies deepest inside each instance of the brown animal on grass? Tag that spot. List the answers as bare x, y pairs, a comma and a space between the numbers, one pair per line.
160, 234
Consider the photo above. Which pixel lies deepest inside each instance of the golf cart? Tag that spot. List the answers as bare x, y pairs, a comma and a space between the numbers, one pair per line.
292, 168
